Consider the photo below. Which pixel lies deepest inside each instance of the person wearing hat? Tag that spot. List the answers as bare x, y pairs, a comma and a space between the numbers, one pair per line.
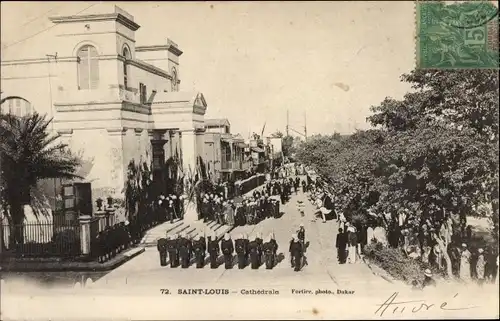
428, 280
205, 208
172, 251
260, 242
438, 257
213, 250
171, 211
253, 250
241, 251
228, 213
480, 265
227, 247
269, 252
465, 258
341, 245
185, 249
301, 234
161, 246
296, 253
199, 251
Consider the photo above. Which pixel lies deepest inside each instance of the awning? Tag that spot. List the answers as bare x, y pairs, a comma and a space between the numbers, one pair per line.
258, 150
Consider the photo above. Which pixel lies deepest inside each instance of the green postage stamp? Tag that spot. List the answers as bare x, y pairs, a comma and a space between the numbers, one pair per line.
459, 35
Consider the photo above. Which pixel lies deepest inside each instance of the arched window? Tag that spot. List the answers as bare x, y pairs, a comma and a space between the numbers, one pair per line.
126, 55
16, 105
88, 68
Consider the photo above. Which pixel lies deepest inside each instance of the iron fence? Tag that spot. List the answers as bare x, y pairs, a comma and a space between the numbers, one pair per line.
42, 239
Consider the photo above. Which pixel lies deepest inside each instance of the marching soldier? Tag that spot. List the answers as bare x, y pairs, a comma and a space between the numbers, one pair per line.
213, 250
172, 251
296, 253
259, 241
227, 247
269, 249
253, 250
241, 251
161, 245
184, 245
199, 251
246, 241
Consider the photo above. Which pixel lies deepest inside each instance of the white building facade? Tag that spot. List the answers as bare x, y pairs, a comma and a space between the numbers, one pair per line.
111, 100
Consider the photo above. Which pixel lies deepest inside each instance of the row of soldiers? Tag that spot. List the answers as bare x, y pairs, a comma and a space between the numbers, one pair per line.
181, 250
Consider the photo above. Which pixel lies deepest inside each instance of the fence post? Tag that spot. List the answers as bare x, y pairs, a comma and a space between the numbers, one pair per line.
84, 221
103, 220
110, 216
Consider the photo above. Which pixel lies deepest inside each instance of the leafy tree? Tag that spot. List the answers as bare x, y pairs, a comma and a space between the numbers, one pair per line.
432, 160
462, 103
287, 146
29, 154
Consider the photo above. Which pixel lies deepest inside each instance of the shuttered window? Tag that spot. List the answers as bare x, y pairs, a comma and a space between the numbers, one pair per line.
88, 68
126, 55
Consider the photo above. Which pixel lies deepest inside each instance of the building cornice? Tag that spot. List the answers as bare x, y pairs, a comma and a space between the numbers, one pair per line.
151, 48
120, 131
173, 48
150, 68
138, 131
102, 106
176, 51
36, 61
98, 17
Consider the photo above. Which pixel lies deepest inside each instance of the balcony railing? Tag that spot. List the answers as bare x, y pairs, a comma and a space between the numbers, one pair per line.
236, 165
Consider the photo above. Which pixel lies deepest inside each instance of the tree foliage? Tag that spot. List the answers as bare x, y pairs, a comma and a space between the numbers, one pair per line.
29, 153
433, 153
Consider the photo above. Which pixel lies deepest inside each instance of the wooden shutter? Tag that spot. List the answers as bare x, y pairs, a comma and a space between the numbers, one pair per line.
94, 68
83, 68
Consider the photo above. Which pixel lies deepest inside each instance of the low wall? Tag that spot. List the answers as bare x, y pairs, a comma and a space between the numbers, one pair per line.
244, 186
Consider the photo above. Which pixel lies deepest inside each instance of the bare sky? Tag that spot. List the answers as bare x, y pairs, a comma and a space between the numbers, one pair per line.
255, 60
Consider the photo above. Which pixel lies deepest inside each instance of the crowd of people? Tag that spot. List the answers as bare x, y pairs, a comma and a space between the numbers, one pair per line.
466, 263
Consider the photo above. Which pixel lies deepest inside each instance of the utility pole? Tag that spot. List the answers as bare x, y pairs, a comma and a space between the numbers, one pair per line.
305, 125
287, 122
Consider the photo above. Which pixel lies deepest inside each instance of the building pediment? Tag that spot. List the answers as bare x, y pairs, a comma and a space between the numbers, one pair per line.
186, 102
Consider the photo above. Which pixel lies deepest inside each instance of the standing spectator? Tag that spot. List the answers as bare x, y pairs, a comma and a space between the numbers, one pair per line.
428, 280
353, 241
340, 244
480, 264
229, 213
465, 264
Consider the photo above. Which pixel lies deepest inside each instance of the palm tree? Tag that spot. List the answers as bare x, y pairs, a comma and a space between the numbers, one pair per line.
28, 153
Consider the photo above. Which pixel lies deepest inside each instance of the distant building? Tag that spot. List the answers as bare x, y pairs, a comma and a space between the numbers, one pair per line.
224, 152
260, 155
112, 99
276, 152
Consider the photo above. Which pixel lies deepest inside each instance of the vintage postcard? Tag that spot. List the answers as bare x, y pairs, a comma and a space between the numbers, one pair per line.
249, 160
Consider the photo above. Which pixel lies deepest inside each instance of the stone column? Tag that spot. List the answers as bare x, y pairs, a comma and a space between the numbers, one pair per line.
85, 236
103, 221
189, 153
110, 216
117, 168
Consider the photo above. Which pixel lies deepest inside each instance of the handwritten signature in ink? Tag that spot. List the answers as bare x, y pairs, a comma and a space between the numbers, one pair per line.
414, 306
